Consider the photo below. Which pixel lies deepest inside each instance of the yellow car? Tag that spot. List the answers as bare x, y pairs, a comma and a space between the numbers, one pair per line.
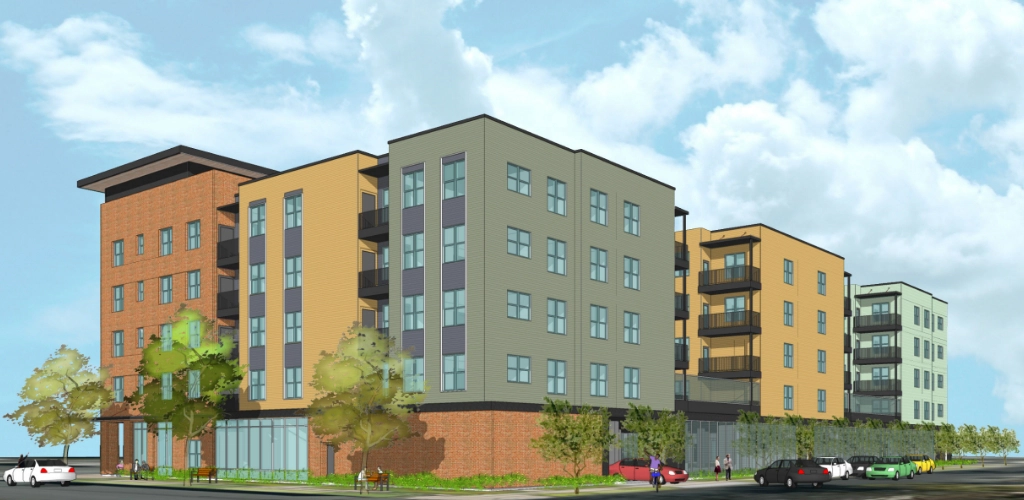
923, 463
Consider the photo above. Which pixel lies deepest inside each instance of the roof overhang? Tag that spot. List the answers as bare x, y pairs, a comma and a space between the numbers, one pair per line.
680, 212
878, 294
728, 242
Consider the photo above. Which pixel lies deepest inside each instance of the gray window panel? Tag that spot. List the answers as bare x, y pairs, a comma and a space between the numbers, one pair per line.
453, 339
293, 300
257, 358
412, 220
413, 340
293, 355
453, 212
412, 281
293, 242
453, 275
257, 305
257, 249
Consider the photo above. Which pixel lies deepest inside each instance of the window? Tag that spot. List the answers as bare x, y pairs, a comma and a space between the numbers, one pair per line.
194, 334
166, 386
939, 319
556, 196
821, 283
292, 383
118, 344
140, 244
556, 256
412, 189
519, 369
598, 379
518, 179
917, 315
119, 389
631, 218
166, 289
193, 235
193, 284
821, 322
598, 265
598, 322
257, 385
917, 378
385, 197
412, 251
455, 307
927, 380
412, 313
385, 254
166, 340
556, 376
556, 316
141, 384
939, 413
454, 179
194, 384
140, 333
927, 407
293, 211
257, 220
598, 207
821, 400
166, 241
927, 319
917, 410
385, 312
518, 242
141, 289
119, 298
293, 327
787, 313
293, 272
787, 271
917, 347
257, 331
787, 397
412, 379
631, 327
787, 355
631, 273
454, 372
821, 361
631, 383
927, 349
455, 243
518, 305
257, 278
940, 354
118, 253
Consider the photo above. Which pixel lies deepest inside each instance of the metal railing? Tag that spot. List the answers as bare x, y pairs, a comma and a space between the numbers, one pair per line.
373, 218
718, 390
846, 341
847, 303
729, 364
730, 275
874, 405
730, 319
681, 352
681, 302
868, 320
868, 353
373, 278
876, 385
227, 248
681, 251
846, 378
227, 300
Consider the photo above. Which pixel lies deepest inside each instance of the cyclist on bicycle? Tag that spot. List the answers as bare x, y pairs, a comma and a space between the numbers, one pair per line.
655, 468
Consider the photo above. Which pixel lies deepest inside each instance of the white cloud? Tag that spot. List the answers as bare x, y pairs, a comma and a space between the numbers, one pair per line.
280, 44
326, 41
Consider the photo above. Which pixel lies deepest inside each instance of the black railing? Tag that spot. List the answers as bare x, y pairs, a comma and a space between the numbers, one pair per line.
869, 320
730, 319
227, 300
681, 353
681, 302
869, 353
373, 218
846, 342
730, 364
846, 303
876, 386
227, 248
730, 275
846, 378
373, 278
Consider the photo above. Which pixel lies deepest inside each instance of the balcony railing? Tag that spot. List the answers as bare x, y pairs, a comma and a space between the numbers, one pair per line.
682, 262
878, 354
730, 364
874, 405
227, 252
730, 319
876, 322
682, 356
373, 224
227, 304
734, 274
682, 312
373, 278
718, 390
846, 380
877, 386
847, 306
846, 343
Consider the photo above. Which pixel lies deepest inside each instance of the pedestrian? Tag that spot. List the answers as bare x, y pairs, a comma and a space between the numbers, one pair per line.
135, 470
362, 482
728, 468
718, 468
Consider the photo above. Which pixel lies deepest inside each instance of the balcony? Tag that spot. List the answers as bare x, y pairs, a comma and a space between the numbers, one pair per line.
877, 356
682, 312
729, 323
730, 367
847, 386
682, 262
682, 356
729, 280
847, 307
227, 304
861, 407
846, 344
373, 284
878, 387
373, 225
877, 323
227, 254
718, 390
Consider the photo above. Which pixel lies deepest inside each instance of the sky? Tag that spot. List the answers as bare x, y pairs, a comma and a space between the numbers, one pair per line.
891, 133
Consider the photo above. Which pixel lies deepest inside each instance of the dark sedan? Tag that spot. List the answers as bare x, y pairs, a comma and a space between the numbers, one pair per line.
793, 472
862, 463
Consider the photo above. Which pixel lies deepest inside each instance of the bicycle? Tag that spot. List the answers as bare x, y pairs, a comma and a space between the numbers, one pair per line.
656, 479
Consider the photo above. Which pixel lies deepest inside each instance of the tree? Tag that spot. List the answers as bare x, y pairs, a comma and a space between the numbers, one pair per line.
988, 442
1008, 443
665, 435
898, 431
62, 399
945, 439
804, 434
753, 436
968, 441
362, 393
573, 440
188, 372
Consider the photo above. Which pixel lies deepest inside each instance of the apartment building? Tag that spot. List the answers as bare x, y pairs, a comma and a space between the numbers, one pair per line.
898, 360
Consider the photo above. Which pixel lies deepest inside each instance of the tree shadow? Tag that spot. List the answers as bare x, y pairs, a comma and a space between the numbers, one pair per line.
406, 456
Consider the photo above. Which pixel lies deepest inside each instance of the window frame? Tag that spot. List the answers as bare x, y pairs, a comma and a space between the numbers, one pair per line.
293, 272
515, 369
140, 291
556, 316
293, 387
413, 253
518, 305
413, 375
414, 315
140, 334
556, 196
166, 241
117, 342
787, 397
556, 374
117, 257
257, 385
454, 304
631, 327
457, 179
598, 211
458, 367
258, 219
599, 268
293, 331
257, 331
787, 313
822, 283
412, 189
557, 259
193, 241
454, 243
822, 322
787, 271
600, 371
515, 181
822, 401
601, 324
822, 361
788, 353
515, 242
167, 293
630, 382
293, 211
118, 298
118, 389
193, 290
630, 272
140, 244
258, 280
631, 218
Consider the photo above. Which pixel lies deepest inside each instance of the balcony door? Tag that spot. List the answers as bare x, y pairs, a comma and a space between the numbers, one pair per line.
735, 308
880, 373
879, 309
369, 261
735, 265
705, 312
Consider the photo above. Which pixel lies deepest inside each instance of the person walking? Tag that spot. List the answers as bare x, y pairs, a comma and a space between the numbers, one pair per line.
728, 468
718, 468
136, 467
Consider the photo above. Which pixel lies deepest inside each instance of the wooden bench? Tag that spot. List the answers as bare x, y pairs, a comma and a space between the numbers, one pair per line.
209, 473
380, 481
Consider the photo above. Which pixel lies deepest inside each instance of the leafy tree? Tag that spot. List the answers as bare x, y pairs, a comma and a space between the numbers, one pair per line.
968, 440
62, 399
362, 398
1008, 443
989, 441
664, 435
188, 376
945, 439
573, 440
754, 436
804, 434
898, 436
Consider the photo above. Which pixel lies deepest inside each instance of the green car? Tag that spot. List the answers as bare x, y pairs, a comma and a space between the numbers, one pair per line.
891, 468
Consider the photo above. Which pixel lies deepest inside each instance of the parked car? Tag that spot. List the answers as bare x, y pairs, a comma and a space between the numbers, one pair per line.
640, 470
839, 467
892, 468
792, 473
923, 463
38, 471
861, 463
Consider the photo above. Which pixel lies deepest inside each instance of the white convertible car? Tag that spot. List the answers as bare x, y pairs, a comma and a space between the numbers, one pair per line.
38, 471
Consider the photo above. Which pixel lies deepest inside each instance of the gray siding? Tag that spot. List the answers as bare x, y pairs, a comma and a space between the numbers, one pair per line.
412, 282
293, 355
453, 339
257, 358
258, 249
257, 305
293, 300
453, 211
453, 275
412, 220
293, 242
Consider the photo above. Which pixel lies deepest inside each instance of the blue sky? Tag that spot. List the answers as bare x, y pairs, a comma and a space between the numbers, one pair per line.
892, 134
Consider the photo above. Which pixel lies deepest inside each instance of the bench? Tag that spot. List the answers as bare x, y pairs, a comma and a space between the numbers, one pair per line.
209, 473
380, 481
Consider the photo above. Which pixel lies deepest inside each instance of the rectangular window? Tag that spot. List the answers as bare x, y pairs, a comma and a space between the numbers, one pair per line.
454, 372
293, 211
119, 298
455, 307
598, 207
454, 179
166, 386
518, 305
927, 349
917, 315
927, 319
257, 220
917, 378
257, 278
821, 322
412, 251
598, 265
166, 340
917, 347
119, 389
257, 385
166, 289
631, 327
293, 327
917, 410
927, 379
787, 397
821, 361
787, 313
556, 196
118, 253
292, 383
193, 235
787, 271
166, 241
518, 179
293, 272
385, 197
631, 218
556, 316
631, 383
631, 273
939, 382
194, 334
412, 312
412, 189
821, 400
455, 243
194, 384
598, 379
556, 376
140, 385
518, 242
598, 322
140, 244
927, 413
257, 331
118, 344
141, 289
556, 256
940, 354
939, 413
787, 355
939, 319
193, 285
518, 369
821, 283
140, 333
412, 378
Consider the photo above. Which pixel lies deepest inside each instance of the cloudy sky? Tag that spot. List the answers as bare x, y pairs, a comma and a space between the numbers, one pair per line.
890, 133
